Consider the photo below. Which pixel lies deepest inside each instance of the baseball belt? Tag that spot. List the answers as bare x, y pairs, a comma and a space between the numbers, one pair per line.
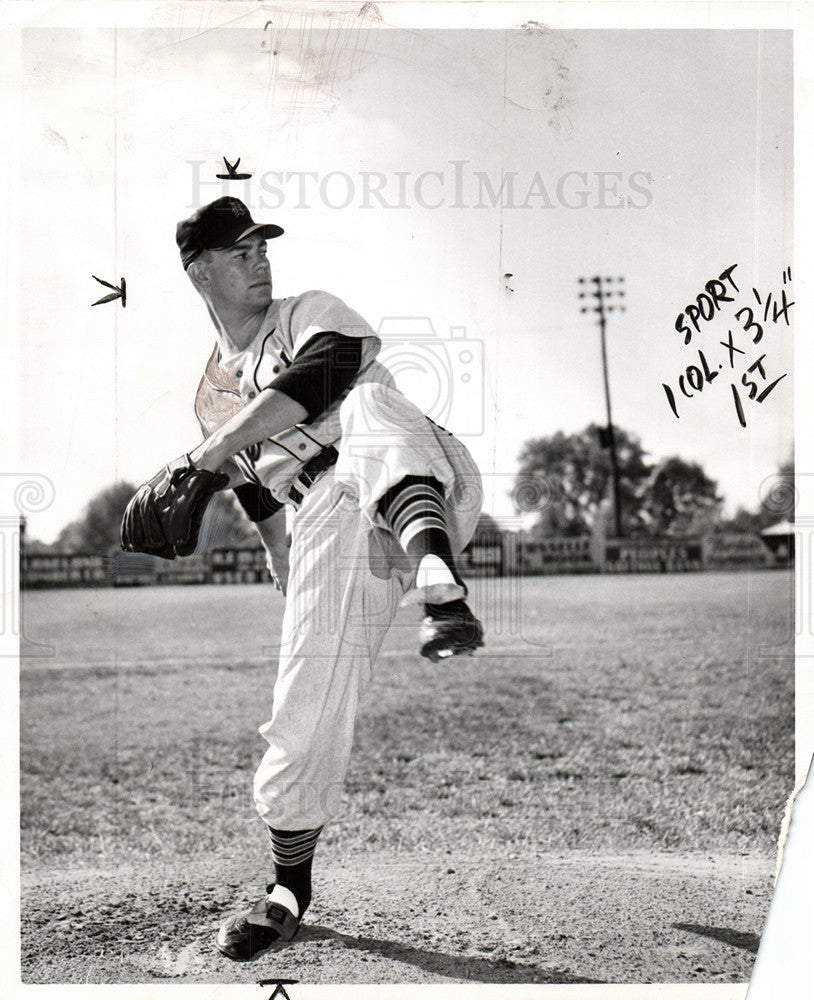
311, 471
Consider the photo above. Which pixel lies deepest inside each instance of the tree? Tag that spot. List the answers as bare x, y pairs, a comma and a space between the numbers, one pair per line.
97, 530
566, 476
742, 521
681, 499
33, 546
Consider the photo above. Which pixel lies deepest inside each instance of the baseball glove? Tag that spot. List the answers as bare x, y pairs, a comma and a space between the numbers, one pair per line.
164, 517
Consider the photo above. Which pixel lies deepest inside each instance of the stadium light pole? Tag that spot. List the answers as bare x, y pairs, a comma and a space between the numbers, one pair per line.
608, 299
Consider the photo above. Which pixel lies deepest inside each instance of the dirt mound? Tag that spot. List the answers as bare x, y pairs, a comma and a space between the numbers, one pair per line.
410, 918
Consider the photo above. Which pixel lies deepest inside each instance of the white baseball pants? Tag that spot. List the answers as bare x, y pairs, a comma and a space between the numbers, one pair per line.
347, 577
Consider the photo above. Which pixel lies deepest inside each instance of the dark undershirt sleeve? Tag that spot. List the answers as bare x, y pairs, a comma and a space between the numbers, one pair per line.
321, 372
256, 501
317, 377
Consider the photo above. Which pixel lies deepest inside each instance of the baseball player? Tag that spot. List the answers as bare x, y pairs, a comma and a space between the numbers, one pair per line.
301, 419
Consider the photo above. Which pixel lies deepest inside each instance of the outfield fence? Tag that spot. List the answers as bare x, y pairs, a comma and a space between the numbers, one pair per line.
493, 555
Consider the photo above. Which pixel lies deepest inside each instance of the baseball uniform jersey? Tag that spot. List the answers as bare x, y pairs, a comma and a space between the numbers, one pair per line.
348, 573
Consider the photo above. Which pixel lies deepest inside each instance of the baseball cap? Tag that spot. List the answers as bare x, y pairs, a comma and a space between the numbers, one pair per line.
217, 226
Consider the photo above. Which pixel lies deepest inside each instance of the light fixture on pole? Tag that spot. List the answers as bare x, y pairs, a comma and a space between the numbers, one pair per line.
608, 296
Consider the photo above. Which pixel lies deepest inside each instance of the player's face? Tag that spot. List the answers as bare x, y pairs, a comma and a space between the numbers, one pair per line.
240, 277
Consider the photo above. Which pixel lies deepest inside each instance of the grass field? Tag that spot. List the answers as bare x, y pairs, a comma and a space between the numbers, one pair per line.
605, 714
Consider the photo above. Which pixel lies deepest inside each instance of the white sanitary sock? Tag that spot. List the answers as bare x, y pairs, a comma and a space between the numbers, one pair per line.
285, 897
434, 583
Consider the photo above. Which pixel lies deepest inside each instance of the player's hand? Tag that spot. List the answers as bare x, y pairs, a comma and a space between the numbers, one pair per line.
278, 569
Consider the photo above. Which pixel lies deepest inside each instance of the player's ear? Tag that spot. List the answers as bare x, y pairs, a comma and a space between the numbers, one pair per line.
199, 273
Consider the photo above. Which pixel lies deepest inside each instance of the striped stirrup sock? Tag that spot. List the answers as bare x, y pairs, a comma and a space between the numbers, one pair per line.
293, 853
414, 511
292, 847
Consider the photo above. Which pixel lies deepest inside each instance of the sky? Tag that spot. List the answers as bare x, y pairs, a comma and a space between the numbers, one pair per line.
660, 156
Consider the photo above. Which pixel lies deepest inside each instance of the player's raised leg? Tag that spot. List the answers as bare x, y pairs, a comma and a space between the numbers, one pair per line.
420, 482
415, 511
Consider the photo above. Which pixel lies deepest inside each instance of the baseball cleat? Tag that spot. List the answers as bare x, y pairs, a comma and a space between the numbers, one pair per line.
245, 935
449, 630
